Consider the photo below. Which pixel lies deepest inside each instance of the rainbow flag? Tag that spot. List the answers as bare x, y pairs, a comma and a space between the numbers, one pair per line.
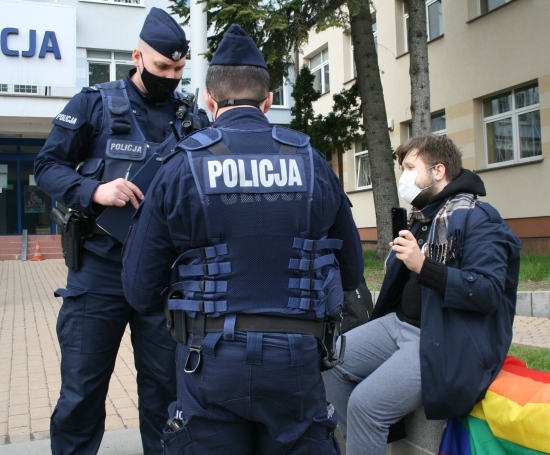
513, 418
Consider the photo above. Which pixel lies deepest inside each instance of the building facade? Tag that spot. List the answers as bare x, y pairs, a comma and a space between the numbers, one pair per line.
48, 52
490, 93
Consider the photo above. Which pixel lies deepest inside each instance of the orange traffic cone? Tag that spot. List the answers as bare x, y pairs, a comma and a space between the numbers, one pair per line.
37, 253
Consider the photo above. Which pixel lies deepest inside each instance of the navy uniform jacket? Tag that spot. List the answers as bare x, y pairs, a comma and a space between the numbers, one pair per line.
74, 132
171, 221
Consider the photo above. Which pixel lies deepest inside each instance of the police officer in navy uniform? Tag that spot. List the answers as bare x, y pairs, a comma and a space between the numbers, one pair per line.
108, 132
249, 236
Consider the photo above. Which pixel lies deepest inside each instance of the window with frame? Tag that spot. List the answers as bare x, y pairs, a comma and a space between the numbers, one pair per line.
434, 21
279, 96
105, 66
512, 126
362, 168
3, 87
319, 67
439, 125
484, 6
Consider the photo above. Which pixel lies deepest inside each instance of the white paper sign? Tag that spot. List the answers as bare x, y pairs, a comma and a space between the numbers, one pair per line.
37, 44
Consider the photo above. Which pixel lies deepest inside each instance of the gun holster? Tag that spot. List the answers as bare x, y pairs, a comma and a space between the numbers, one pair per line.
331, 358
176, 322
75, 228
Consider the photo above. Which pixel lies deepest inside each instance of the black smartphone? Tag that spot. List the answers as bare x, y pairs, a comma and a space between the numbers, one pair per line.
398, 220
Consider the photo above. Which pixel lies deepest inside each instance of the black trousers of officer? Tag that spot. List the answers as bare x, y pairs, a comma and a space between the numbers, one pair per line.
90, 327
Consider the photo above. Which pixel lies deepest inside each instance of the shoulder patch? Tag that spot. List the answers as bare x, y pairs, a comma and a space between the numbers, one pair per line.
201, 139
494, 216
68, 120
289, 137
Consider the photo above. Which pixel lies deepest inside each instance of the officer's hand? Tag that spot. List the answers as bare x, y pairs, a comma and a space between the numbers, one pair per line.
408, 251
117, 192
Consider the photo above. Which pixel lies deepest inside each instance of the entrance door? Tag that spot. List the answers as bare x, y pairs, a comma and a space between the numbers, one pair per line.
22, 204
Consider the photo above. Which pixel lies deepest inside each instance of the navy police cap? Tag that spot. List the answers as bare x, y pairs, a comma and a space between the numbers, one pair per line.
237, 49
164, 34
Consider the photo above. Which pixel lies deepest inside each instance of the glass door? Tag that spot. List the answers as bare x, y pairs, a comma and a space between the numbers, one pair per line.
35, 204
8, 197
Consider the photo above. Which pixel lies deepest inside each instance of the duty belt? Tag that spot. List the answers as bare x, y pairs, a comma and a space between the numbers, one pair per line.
200, 325
262, 323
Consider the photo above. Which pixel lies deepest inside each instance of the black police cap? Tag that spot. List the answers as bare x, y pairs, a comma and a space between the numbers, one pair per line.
164, 34
238, 49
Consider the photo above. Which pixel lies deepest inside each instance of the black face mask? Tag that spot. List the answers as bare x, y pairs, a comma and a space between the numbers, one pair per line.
158, 88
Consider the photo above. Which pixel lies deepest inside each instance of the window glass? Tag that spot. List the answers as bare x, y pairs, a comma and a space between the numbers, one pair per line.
363, 176
319, 67
435, 19
25, 88
497, 104
122, 70
529, 134
527, 96
487, 5
98, 73
439, 124
122, 56
278, 96
512, 126
316, 60
500, 145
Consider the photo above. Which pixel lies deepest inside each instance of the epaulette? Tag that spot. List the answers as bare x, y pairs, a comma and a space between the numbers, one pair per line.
289, 137
494, 216
201, 139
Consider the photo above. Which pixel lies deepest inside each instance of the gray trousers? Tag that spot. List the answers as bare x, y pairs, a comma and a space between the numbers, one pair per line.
378, 383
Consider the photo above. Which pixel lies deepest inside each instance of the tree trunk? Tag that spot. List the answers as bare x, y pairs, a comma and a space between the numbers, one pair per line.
419, 68
375, 121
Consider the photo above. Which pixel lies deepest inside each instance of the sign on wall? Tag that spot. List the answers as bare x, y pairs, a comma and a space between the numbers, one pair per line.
37, 44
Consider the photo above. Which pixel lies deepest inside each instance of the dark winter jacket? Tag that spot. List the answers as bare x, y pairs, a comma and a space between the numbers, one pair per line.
465, 333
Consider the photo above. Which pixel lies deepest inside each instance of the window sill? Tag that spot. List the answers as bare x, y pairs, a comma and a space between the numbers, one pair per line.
110, 2
489, 12
360, 190
507, 166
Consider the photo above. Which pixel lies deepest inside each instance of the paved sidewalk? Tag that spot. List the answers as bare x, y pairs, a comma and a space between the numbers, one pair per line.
29, 362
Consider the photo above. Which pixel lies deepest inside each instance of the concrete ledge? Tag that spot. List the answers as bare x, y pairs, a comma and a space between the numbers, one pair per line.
423, 436
529, 303
540, 301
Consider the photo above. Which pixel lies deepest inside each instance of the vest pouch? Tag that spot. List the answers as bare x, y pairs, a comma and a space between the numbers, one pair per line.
93, 168
123, 159
334, 294
119, 123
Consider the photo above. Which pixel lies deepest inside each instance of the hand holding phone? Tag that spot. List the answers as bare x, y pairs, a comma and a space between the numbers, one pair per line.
398, 220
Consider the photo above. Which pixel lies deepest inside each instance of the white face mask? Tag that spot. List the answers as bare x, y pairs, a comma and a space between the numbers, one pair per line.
407, 187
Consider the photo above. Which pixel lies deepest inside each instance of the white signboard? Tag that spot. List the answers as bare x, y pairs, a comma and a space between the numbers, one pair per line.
37, 44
